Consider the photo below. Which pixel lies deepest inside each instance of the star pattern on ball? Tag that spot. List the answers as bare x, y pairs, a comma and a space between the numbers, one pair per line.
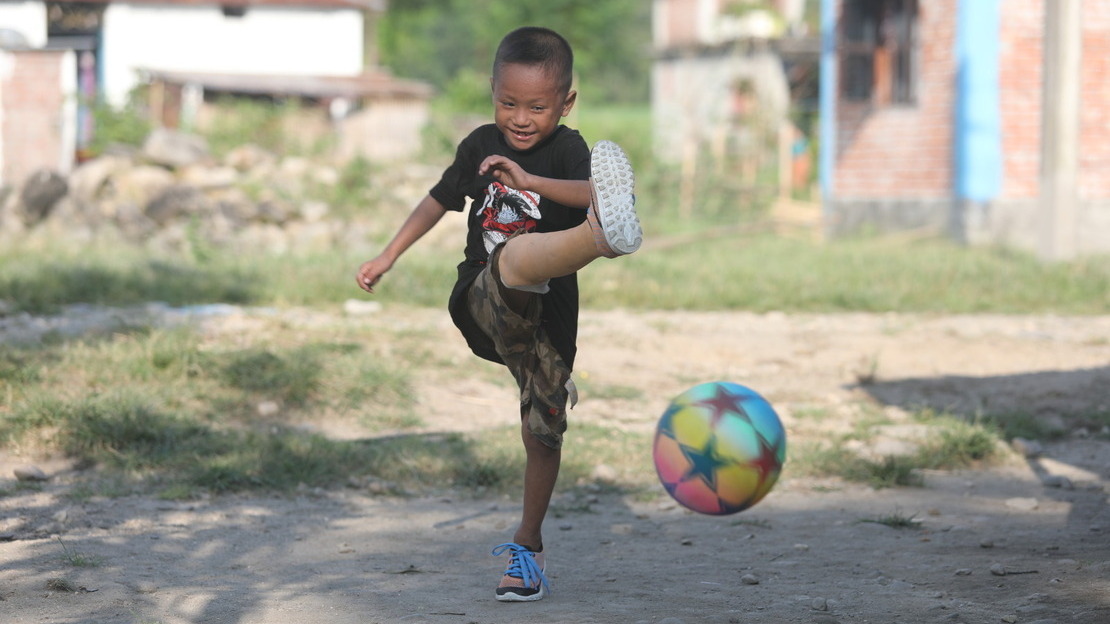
704, 462
767, 462
723, 402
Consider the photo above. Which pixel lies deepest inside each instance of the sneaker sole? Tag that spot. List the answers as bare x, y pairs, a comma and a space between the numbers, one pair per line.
511, 597
613, 183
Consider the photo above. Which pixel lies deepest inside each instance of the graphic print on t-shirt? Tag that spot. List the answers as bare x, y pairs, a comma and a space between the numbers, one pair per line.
506, 210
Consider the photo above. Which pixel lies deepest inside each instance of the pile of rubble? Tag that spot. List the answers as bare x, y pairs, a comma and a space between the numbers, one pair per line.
172, 195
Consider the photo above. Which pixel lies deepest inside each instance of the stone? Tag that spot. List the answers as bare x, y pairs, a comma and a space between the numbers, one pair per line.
174, 149
174, 203
358, 307
249, 157
208, 178
29, 472
1058, 481
1022, 503
140, 184
40, 192
1027, 448
89, 179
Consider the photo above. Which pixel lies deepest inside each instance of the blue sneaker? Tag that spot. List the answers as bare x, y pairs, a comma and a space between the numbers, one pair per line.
524, 580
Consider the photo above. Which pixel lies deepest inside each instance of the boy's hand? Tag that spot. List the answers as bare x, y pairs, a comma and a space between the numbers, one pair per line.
371, 271
506, 172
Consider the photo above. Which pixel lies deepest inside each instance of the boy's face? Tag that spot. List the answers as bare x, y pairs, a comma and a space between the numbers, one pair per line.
527, 104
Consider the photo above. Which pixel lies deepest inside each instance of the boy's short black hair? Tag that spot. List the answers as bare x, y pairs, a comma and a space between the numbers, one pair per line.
537, 46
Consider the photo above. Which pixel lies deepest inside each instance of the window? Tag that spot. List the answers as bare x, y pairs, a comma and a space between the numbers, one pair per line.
879, 51
233, 10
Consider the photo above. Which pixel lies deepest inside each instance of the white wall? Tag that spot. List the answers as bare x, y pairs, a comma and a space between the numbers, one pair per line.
691, 97
27, 18
267, 40
6, 63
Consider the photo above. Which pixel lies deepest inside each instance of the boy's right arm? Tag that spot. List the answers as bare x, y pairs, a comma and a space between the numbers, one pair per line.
426, 214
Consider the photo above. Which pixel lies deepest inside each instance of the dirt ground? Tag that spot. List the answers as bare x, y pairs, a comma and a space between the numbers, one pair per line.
1025, 541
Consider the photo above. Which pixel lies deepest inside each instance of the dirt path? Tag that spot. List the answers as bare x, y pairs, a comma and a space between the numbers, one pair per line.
1001, 545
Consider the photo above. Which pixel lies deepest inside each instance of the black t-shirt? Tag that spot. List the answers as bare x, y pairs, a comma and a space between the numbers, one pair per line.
497, 210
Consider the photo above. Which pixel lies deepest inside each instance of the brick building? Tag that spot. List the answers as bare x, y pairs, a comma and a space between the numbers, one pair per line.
55, 57
942, 120
37, 120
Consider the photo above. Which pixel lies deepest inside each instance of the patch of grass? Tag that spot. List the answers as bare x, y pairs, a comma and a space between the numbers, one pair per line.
896, 520
892, 471
60, 584
832, 460
950, 444
79, 559
957, 444
767, 273
40, 283
293, 379
735, 270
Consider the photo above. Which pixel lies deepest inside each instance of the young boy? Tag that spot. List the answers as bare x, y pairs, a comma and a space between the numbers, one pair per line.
543, 207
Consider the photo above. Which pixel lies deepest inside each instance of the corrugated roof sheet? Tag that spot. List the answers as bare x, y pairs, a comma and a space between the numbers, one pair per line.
377, 5
377, 84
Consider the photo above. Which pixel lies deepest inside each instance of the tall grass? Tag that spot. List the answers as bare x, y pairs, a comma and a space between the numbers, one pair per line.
707, 270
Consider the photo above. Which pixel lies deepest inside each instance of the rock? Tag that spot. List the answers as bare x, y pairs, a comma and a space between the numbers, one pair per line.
208, 178
40, 192
272, 212
174, 149
357, 307
749, 579
139, 185
267, 409
29, 473
602, 472
1058, 481
175, 202
314, 211
248, 157
90, 177
1027, 448
133, 224
1022, 503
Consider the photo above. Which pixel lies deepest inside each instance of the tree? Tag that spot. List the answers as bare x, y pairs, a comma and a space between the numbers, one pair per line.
442, 41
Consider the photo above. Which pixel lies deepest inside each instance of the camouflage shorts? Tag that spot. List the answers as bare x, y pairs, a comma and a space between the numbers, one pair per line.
524, 345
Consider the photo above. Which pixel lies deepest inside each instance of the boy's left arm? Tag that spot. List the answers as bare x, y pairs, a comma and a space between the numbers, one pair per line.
574, 193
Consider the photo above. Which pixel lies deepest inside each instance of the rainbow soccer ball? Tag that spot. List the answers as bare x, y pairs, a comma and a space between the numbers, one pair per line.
719, 448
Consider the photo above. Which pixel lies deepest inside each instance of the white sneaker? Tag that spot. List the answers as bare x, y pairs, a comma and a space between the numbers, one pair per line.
612, 213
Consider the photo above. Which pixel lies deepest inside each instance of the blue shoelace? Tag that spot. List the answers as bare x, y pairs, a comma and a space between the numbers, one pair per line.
522, 564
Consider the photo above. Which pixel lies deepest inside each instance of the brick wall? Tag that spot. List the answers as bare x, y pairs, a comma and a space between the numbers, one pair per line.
1094, 118
895, 151
1020, 70
32, 120
906, 152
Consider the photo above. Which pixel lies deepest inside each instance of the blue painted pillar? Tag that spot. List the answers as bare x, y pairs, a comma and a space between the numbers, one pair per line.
978, 123
827, 100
